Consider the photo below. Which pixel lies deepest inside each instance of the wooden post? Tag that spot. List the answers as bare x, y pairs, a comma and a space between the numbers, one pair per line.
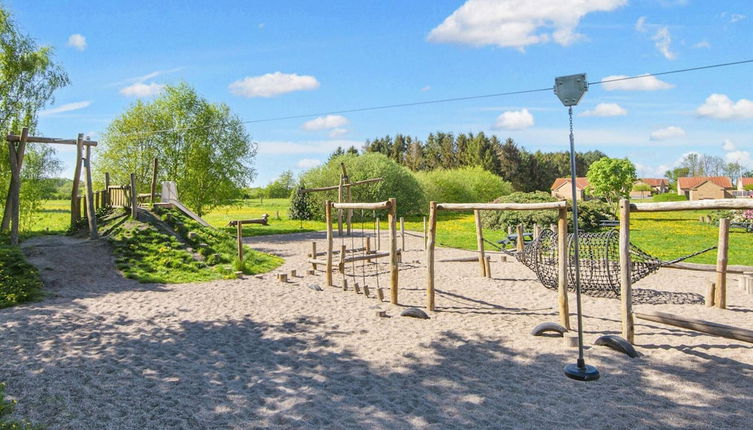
424, 232
91, 214
108, 201
480, 243
13, 214
536, 230
341, 266
430, 256
239, 237
392, 218
313, 253
75, 214
155, 166
626, 291
340, 211
378, 235
488, 266
328, 218
562, 253
134, 202
720, 301
402, 234
520, 243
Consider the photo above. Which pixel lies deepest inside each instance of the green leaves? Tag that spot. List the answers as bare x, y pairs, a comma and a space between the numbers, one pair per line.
611, 178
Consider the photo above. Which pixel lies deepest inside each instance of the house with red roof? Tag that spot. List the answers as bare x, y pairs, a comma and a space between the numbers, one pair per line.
658, 186
744, 182
705, 187
562, 188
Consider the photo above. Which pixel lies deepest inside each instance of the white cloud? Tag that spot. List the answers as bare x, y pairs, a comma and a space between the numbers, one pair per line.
308, 163
141, 89
606, 109
733, 17
640, 25
667, 133
720, 106
337, 132
514, 120
65, 108
703, 44
642, 83
663, 43
325, 123
273, 84
517, 23
742, 157
426, 88
728, 145
77, 41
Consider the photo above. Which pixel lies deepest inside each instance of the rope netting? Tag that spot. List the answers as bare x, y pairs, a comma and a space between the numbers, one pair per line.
599, 262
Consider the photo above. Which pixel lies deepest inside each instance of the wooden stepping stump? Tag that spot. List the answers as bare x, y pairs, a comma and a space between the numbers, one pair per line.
282, 277
293, 273
357, 289
380, 294
345, 285
311, 272
381, 314
366, 290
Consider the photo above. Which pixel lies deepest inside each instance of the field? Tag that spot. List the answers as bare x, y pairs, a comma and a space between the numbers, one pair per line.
665, 235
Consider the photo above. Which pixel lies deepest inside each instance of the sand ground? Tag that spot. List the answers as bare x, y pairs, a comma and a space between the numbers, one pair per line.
104, 352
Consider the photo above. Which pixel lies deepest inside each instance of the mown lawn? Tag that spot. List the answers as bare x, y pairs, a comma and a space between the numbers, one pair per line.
666, 235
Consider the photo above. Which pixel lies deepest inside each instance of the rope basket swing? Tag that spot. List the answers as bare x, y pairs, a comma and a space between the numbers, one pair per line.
599, 262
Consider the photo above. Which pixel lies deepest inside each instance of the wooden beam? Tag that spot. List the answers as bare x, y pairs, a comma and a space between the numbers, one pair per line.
239, 238
692, 205
562, 253
430, 256
393, 251
263, 221
340, 211
720, 300
334, 187
501, 206
75, 214
38, 139
480, 243
722, 330
134, 202
328, 218
519, 243
91, 214
626, 287
107, 189
365, 206
710, 267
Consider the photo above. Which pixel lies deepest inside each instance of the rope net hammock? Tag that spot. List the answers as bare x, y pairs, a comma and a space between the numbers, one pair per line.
599, 262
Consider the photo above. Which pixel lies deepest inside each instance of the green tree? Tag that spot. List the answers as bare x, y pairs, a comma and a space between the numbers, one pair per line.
29, 79
282, 186
206, 150
611, 178
674, 174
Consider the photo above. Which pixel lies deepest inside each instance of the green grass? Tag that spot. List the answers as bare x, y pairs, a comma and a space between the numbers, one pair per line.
146, 253
19, 280
53, 218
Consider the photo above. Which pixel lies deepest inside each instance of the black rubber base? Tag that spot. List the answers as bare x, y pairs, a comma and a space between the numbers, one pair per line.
584, 373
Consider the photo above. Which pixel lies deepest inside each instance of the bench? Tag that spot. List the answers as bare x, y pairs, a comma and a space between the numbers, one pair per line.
609, 223
512, 239
748, 226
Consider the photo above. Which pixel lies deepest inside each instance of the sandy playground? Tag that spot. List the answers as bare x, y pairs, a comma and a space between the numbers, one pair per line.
104, 352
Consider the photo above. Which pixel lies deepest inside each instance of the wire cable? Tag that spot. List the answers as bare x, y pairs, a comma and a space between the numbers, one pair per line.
438, 101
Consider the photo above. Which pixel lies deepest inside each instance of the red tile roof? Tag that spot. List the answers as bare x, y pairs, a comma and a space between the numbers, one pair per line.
694, 181
655, 182
746, 181
580, 183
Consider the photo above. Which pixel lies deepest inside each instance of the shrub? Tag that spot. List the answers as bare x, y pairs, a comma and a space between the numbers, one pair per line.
589, 213
500, 220
299, 205
467, 184
19, 280
398, 182
669, 197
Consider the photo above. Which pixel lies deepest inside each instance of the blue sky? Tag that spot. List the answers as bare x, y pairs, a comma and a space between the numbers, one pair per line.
268, 59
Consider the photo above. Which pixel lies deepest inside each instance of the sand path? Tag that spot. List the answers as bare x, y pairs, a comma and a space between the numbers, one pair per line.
104, 352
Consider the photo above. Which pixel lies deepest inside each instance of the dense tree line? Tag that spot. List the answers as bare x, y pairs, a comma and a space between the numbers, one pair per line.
526, 171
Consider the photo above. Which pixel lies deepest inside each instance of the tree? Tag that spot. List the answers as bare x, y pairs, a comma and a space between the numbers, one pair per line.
748, 174
299, 204
281, 187
201, 146
611, 178
29, 79
643, 189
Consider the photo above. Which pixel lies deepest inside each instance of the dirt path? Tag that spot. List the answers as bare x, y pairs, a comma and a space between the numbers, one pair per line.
103, 352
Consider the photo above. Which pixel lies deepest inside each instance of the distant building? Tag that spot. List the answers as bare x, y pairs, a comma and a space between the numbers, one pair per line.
705, 187
658, 186
562, 188
744, 182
